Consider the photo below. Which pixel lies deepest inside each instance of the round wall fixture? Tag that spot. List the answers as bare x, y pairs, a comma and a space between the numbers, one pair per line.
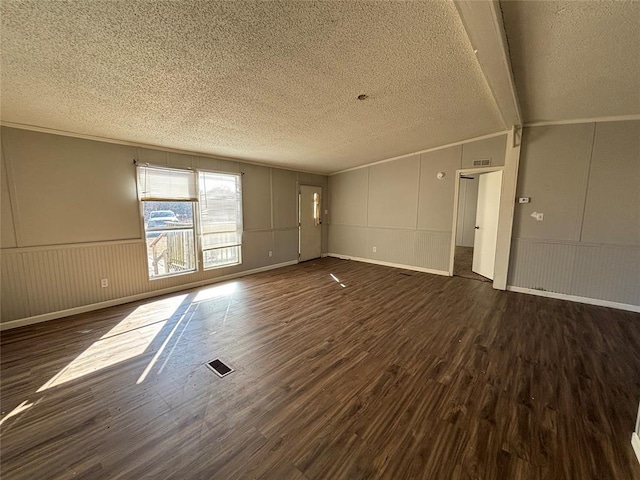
363, 96
440, 175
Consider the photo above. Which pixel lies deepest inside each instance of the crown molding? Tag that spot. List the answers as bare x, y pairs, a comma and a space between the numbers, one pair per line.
617, 118
95, 138
433, 149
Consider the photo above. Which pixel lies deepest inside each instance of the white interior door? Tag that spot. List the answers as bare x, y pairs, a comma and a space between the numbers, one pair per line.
484, 244
310, 209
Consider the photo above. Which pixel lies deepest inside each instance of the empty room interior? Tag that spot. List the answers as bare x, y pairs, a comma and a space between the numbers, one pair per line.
320, 240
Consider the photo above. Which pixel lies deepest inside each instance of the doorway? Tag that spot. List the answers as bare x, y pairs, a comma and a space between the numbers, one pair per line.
476, 225
309, 222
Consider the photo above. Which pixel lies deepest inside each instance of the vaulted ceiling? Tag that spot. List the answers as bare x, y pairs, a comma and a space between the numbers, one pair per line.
575, 59
277, 82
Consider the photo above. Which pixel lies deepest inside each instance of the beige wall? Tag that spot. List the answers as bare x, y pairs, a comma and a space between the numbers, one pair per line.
435, 210
401, 208
7, 230
489, 149
68, 190
585, 179
70, 216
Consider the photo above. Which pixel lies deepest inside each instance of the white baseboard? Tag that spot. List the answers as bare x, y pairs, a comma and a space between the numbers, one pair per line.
575, 298
390, 264
635, 441
22, 322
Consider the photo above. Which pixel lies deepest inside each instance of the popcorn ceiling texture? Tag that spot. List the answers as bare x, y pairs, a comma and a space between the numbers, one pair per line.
274, 82
575, 59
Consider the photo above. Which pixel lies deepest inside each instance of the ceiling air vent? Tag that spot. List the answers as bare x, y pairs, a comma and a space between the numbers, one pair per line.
482, 163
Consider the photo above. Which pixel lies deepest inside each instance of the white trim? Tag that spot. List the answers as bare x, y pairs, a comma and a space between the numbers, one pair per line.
484, 26
432, 149
635, 441
456, 195
406, 229
618, 118
575, 298
95, 138
507, 209
61, 246
22, 322
390, 264
576, 243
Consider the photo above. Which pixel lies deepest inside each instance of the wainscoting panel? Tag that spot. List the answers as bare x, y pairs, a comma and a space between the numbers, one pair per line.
42, 280
392, 245
607, 272
541, 266
432, 249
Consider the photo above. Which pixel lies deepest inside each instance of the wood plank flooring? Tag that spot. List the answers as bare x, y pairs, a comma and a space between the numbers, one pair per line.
395, 376
463, 264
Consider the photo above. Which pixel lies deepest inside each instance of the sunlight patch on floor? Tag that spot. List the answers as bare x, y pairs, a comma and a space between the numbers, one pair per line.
129, 338
16, 411
216, 291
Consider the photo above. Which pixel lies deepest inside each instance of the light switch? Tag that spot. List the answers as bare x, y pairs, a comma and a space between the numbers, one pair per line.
524, 200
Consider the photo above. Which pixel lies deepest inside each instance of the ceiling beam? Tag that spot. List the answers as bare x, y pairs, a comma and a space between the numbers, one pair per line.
483, 22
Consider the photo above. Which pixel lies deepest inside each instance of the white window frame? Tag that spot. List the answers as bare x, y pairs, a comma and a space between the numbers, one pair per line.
197, 227
193, 228
240, 246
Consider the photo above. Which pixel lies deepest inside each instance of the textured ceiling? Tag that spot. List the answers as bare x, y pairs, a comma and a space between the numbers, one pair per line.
273, 82
574, 59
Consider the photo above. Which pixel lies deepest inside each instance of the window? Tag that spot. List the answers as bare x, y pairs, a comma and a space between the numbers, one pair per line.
168, 197
316, 209
220, 219
174, 203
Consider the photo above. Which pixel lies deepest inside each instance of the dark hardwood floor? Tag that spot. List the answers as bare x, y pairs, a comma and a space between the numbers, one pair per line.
463, 264
393, 375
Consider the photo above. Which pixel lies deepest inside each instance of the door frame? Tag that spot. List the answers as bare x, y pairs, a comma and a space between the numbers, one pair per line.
507, 207
456, 199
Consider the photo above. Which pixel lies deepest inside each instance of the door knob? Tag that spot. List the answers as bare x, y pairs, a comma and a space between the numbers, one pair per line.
477, 227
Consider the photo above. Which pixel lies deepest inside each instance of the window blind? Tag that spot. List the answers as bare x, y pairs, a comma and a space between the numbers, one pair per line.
158, 183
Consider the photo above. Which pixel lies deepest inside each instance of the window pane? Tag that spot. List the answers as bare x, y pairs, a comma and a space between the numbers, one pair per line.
220, 218
219, 201
170, 237
222, 239
221, 256
167, 214
170, 252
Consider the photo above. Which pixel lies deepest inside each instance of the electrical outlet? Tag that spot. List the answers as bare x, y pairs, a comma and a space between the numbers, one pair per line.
270, 253
375, 249
104, 283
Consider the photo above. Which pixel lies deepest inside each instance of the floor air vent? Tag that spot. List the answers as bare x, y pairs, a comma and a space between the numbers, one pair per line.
220, 368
